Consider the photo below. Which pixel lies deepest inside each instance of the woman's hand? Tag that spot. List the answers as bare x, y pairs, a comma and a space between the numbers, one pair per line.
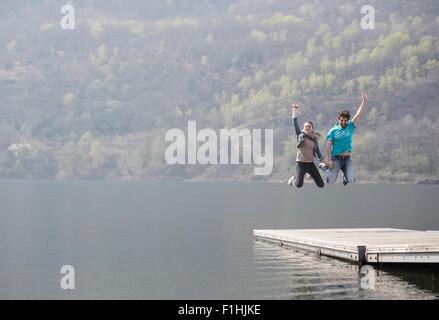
294, 107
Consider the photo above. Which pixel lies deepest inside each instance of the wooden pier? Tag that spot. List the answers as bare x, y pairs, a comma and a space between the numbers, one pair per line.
372, 245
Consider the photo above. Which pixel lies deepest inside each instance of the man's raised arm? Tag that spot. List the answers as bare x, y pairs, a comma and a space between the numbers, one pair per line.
357, 117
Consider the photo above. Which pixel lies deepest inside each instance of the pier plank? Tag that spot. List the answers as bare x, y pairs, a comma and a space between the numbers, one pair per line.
363, 245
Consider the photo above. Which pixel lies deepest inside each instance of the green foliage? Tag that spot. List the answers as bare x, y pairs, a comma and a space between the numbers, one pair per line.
69, 99
259, 36
97, 28
281, 20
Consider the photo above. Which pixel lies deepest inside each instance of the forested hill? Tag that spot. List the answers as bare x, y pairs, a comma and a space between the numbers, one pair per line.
95, 102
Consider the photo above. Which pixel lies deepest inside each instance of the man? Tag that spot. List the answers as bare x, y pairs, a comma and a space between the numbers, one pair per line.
340, 144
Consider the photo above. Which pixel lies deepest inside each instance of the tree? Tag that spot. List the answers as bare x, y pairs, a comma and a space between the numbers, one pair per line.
412, 69
259, 36
69, 99
97, 28
394, 41
432, 68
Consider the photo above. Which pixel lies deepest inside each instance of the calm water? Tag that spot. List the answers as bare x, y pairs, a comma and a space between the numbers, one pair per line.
194, 240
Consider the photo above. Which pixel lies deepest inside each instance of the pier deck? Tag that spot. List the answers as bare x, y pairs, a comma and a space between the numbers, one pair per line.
371, 245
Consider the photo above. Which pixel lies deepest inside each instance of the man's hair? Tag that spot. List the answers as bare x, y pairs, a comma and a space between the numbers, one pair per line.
344, 114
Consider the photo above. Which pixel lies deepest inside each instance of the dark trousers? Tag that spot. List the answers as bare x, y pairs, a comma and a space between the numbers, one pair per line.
307, 167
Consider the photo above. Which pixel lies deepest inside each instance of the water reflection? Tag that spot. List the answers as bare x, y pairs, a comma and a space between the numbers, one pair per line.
425, 277
286, 273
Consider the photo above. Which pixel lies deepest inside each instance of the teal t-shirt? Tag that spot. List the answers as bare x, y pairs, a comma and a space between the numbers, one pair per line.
341, 138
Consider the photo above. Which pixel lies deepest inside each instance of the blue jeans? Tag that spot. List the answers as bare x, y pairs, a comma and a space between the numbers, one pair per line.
345, 165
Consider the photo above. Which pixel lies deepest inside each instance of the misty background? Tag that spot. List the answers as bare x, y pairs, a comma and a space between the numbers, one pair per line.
94, 103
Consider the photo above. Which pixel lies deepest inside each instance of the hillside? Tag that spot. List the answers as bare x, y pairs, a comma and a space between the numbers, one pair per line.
95, 102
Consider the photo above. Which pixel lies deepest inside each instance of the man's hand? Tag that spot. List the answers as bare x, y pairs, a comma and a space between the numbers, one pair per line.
357, 117
329, 163
363, 96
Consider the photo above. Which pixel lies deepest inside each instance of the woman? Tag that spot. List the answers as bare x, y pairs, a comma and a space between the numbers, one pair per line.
308, 148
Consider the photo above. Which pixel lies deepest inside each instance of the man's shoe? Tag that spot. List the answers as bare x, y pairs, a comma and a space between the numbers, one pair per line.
290, 182
345, 181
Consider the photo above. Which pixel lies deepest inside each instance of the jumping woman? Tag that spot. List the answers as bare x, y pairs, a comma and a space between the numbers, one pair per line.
308, 148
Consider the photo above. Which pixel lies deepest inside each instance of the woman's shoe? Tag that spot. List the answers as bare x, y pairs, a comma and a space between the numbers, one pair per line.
323, 167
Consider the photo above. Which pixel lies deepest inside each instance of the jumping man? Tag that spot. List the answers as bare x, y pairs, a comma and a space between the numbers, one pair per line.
340, 144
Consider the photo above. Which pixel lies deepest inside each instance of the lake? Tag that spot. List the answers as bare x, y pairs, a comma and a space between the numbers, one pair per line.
193, 240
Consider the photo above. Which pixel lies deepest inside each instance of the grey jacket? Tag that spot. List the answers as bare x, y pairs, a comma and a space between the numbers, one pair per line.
300, 135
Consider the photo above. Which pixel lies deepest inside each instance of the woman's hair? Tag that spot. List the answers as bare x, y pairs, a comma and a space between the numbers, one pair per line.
344, 114
316, 134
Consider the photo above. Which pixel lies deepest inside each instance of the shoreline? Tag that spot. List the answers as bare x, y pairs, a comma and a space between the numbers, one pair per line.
420, 182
